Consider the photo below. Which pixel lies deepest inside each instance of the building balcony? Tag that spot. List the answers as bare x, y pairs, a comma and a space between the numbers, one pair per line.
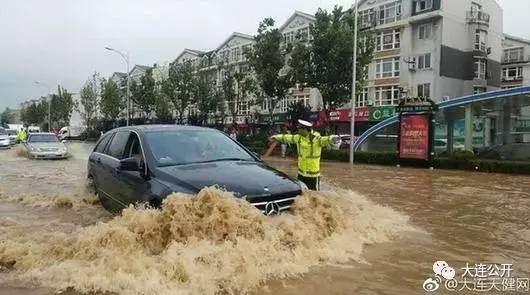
513, 59
512, 79
478, 17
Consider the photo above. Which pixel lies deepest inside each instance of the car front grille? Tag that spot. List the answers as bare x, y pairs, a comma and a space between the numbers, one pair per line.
278, 202
49, 149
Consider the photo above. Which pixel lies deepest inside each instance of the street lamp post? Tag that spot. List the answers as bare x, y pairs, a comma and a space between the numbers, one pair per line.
49, 104
354, 84
125, 57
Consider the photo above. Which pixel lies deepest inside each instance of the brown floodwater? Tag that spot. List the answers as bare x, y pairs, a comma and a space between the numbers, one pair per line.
373, 230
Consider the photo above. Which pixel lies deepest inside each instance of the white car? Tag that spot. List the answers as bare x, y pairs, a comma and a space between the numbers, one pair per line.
4, 139
12, 136
45, 146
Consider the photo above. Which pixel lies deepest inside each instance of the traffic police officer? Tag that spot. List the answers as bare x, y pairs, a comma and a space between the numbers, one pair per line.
309, 145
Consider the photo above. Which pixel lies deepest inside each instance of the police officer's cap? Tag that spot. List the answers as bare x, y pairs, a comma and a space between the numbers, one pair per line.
305, 123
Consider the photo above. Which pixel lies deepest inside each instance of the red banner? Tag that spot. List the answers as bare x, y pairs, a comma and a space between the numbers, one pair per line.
414, 137
361, 115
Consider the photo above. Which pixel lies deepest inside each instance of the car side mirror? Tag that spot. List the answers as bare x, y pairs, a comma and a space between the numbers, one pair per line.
129, 164
63, 141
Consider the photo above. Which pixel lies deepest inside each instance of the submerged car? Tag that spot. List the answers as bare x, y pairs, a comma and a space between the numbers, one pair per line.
45, 146
4, 139
145, 164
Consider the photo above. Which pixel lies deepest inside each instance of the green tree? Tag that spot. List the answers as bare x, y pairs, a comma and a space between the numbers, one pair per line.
325, 62
162, 107
266, 59
35, 113
143, 93
206, 97
180, 86
111, 102
62, 106
237, 85
296, 111
89, 99
7, 117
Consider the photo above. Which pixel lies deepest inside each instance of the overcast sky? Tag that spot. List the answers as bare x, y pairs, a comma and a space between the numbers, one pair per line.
62, 41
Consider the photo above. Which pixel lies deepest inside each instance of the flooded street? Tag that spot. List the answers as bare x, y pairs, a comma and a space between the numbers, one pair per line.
374, 230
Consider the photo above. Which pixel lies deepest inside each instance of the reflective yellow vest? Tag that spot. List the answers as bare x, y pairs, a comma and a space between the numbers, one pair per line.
21, 136
309, 151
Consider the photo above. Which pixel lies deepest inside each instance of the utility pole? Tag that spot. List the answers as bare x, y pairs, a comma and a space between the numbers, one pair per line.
126, 58
354, 85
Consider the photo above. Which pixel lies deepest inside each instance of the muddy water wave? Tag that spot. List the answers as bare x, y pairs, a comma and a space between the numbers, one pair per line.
210, 243
75, 201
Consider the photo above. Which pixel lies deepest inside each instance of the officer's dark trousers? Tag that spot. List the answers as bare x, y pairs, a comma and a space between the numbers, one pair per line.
313, 183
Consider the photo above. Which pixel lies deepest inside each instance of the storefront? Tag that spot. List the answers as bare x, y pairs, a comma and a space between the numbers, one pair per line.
365, 117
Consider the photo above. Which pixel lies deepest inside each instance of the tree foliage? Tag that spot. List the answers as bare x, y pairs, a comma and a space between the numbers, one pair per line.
62, 106
296, 111
207, 99
325, 62
89, 99
179, 87
143, 93
266, 59
111, 102
7, 116
35, 113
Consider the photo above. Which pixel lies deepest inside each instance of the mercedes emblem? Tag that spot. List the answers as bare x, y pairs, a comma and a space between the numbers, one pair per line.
272, 208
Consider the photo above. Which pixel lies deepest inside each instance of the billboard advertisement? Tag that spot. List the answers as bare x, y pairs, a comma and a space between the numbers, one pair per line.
414, 137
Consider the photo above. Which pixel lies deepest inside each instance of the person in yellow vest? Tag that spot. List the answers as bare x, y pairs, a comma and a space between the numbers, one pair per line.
309, 145
21, 135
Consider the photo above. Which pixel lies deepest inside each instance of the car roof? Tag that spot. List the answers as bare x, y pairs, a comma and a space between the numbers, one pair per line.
158, 128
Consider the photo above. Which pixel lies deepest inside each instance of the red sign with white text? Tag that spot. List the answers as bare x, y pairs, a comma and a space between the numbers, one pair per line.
414, 138
361, 115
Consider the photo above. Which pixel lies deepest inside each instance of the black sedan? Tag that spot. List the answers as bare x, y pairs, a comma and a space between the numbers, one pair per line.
144, 164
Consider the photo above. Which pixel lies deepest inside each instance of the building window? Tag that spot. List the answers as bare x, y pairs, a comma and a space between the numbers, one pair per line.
481, 40
514, 55
235, 54
480, 69
367, 18
424, 90
425, 31
387, 68
387, 40
478, 90
243, 107
289, 37
423, 5
362, 98
424, 61
266, 104
386, 96
512, 74
390, 12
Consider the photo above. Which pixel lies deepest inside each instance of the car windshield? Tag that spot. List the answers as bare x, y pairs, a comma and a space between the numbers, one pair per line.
194, 146
3, 131
43, 138
11, 132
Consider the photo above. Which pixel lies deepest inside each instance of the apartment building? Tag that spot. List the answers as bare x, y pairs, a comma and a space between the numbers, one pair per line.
231, 54
515, 62
438, 49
